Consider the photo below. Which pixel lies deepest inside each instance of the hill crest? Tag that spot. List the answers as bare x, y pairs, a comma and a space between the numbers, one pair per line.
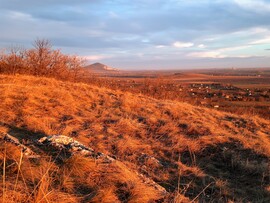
99, 67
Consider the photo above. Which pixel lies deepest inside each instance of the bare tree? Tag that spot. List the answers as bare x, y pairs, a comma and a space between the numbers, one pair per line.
40, 57
41, 60
12, 61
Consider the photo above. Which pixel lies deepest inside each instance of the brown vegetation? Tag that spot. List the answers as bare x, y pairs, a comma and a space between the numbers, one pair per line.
196, 154
41, 60
226, 97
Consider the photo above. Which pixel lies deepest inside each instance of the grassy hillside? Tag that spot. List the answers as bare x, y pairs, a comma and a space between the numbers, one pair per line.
196, 154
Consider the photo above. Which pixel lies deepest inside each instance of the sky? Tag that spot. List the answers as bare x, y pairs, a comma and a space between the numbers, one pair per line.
145, 34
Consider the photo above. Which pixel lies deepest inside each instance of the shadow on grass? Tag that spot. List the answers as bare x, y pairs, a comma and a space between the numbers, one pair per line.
236, 173
22, 133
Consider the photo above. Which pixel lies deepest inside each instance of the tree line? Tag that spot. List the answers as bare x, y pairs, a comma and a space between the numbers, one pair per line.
41, 60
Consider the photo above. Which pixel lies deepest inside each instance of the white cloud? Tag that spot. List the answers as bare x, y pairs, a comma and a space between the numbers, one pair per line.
20, 16
207, 54
254, 5
258, 30
96, 57
249, 56
178, 44
220, 53
233, 48
201, 46
160, 46
261, 41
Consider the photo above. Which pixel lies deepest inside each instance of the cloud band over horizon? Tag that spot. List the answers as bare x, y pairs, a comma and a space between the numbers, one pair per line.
145, 34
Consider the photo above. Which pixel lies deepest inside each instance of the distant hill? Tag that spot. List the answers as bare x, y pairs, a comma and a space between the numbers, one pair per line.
100, 68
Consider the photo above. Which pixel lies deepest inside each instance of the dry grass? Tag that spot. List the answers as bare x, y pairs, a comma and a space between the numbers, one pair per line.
212, 146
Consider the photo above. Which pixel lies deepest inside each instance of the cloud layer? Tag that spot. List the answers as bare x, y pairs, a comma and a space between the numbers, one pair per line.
145, 33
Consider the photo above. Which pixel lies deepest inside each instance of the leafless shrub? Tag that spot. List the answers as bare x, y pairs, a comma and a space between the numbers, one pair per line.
41, 60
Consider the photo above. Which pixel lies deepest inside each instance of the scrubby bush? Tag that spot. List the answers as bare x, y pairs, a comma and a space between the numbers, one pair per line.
41, 60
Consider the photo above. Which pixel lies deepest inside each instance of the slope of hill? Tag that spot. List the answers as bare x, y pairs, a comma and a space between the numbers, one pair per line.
196, 154
100, 68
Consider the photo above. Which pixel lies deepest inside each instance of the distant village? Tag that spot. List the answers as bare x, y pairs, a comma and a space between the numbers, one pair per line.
223, 96
216, 92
